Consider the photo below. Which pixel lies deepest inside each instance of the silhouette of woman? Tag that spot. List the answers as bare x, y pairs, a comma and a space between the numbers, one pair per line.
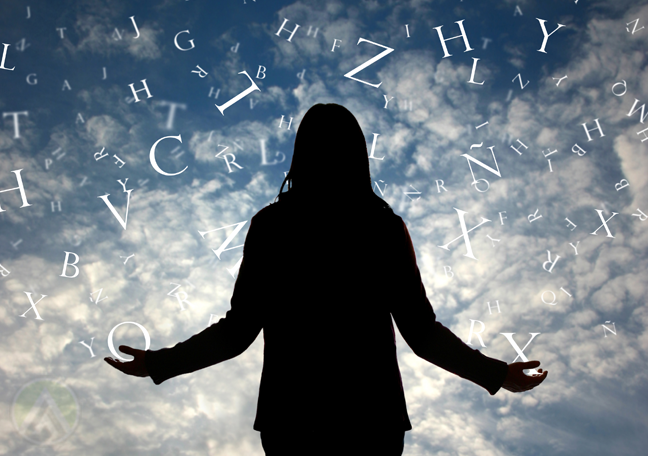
324, 270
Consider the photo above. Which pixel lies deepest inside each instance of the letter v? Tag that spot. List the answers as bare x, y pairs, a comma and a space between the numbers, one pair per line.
121, 221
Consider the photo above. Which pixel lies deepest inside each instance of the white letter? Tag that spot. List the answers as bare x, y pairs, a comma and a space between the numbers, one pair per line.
282, 28
486, 167
15, 119
20, 187
368, 62
621, 184
247, 91
625, 89
175, 41
544, 32
575, 247
135, 91
33, 306
544, 265
111, 347
463, 34
464, 233
373, 147
600, 213
4, 56
633, 110
553, 301
478, 334
229, 239
509, 337
66, 264
154, 162
589, 138
89, 347
472, 75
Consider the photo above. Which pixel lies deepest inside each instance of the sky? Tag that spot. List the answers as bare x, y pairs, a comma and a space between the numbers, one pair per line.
139, 151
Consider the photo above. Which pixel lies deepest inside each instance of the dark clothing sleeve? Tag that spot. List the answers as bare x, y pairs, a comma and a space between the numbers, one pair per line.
428, 338
227, 338
234, 333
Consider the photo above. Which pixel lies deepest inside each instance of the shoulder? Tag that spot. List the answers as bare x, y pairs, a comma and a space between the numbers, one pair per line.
268, 213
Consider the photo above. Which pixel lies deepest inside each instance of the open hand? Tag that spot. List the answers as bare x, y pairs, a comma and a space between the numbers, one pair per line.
517, 381
135, 367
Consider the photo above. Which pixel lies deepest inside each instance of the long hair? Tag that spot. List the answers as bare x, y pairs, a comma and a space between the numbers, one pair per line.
330, 160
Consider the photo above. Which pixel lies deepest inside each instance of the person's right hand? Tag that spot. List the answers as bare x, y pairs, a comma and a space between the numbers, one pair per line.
517, 381
135, 367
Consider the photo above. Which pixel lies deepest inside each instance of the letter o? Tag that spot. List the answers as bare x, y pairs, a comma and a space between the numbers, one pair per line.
111, 346
552, 303
625, 88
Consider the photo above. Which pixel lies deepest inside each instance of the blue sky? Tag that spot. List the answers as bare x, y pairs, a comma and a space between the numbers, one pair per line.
593, 401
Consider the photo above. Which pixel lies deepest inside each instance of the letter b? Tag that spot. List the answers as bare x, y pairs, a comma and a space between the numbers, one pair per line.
66, 264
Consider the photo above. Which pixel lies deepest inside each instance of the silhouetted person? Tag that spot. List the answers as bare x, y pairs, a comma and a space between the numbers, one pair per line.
324, 271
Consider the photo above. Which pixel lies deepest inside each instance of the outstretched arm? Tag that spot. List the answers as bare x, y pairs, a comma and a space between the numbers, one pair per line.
226, 339
435, 343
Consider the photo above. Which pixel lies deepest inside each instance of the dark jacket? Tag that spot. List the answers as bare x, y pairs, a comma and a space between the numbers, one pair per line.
324, 284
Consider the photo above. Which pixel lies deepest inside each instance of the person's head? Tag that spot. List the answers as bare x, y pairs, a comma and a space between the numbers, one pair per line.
330, 159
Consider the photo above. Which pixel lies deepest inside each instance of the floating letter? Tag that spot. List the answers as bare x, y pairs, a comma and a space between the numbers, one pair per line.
546, 36
15, 119
33, 305
105, 199
135, 91
20, 187
483, 165
282, 28
544, 265
154, 162
463, 35
600, 213
509, 337
66, 264
369, 62
598, 127
247, 91
191, 41
464, 234
223, 246
111, 347
4, 56
478, 334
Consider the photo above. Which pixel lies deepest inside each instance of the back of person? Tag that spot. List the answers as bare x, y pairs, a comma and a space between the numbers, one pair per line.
330, 365
324, 270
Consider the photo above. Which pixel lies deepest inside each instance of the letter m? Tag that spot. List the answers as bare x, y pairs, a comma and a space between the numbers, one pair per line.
642, 107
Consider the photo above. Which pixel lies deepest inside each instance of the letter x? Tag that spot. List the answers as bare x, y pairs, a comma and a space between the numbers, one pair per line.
600, 213
509, 337
33, 305
464, 234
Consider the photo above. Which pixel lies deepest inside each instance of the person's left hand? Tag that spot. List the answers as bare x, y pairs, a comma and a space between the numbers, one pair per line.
135, 367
